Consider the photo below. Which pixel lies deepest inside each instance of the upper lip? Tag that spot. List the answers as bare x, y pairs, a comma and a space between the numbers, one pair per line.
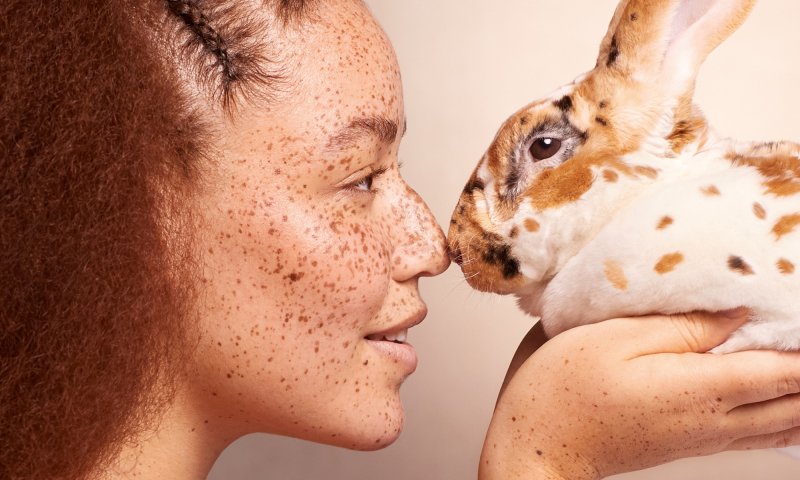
411, 321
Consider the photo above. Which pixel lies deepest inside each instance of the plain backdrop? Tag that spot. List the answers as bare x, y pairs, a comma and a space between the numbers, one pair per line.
467, 65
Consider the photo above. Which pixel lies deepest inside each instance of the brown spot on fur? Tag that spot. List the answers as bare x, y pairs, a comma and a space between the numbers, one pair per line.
564, 104
668, 263
613, 53
561, 185
615, 275
786, 225
648, 172
610, 176
759, 210
711, 191
786, 267
514, 232
685, 132
532, 225
781, 172
602, 121
737, 264
664, 223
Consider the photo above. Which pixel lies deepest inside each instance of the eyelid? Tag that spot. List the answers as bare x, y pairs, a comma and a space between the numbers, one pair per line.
373, 173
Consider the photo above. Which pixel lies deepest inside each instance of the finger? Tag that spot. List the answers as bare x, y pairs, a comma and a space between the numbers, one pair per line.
532, 341
754, 376
690, 332
763, 418
783, 439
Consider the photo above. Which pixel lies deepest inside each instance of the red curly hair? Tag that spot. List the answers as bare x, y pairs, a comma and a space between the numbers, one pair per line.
100, 148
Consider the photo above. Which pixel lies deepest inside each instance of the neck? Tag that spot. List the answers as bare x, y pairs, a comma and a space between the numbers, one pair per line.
183, 445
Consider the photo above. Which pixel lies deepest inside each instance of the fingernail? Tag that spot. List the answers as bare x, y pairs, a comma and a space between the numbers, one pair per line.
735, 314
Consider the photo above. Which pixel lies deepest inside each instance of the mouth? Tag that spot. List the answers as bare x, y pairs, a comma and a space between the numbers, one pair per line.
397, 337
393, 342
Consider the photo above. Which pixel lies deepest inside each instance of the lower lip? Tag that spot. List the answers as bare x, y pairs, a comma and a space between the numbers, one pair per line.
401, 353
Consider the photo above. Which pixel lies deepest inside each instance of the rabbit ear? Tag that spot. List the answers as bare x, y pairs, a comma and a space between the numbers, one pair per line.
667, 40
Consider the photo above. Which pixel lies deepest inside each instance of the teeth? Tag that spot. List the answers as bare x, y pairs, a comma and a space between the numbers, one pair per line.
399, 337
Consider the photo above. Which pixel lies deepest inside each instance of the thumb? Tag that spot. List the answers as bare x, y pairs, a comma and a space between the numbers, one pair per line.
696, 332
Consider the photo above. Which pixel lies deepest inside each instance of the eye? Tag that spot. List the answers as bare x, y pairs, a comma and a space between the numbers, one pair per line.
364, 184
544, 148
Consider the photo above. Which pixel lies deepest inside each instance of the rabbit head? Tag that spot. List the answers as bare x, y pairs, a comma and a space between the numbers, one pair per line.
559, 168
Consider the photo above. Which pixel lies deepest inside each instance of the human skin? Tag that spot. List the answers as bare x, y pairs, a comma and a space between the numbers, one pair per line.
310, 242
635, 393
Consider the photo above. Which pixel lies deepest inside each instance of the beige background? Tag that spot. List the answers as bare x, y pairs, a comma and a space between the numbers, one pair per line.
468, 64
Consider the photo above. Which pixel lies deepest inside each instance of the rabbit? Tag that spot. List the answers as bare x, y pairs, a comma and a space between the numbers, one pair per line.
613, 197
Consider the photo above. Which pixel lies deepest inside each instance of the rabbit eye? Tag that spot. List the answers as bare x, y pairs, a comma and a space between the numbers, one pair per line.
544, 148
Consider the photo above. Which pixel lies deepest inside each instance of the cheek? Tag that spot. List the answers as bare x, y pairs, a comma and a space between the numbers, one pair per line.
302, 282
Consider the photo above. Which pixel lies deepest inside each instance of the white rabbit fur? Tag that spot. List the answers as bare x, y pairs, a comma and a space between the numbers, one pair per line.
643, 209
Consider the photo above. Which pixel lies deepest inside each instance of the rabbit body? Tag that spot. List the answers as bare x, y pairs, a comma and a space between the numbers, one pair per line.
613, 197
701, 236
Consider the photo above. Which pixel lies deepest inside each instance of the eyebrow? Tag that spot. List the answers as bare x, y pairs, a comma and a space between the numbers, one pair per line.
381, 128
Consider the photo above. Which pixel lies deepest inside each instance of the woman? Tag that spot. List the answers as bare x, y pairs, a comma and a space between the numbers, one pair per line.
205, 235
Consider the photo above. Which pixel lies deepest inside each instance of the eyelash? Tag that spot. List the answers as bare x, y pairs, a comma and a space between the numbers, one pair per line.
367, 182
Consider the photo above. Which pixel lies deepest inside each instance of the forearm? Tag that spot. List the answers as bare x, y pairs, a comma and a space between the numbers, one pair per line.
513, 451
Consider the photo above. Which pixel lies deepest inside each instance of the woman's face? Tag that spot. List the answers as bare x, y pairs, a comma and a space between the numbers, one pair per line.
313, 247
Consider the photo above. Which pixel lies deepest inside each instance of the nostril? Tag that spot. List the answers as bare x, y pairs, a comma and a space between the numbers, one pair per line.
455, 256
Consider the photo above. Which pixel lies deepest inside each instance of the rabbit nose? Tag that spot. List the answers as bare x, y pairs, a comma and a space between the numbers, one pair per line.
455, 256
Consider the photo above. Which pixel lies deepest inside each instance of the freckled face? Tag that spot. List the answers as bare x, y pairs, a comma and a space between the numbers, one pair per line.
313, 246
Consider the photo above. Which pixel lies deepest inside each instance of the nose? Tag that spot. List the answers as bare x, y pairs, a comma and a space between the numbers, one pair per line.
455, 256
420, 245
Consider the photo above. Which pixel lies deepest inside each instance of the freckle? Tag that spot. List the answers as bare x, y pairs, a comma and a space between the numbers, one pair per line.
711, 191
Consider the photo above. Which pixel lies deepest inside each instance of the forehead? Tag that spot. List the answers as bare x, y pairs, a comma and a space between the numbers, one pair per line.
345, 64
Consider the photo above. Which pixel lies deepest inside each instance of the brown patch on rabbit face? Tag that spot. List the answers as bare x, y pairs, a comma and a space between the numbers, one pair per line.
484, 256
711, 191
532, 225
610, 176
570, 181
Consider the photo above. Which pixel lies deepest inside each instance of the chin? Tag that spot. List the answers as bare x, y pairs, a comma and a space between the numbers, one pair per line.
367, 429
